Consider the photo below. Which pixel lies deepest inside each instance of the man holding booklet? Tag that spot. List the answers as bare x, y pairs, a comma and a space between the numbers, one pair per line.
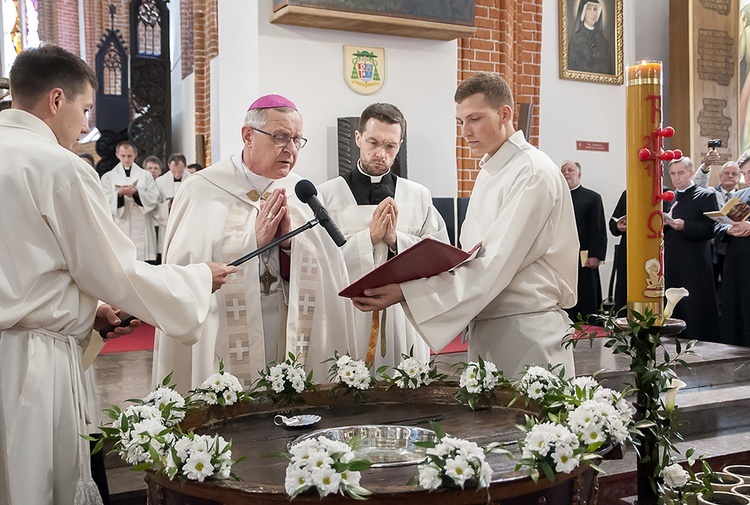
735, 307
512, 294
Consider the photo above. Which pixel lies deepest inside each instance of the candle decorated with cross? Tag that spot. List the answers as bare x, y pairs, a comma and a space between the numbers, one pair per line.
645, 175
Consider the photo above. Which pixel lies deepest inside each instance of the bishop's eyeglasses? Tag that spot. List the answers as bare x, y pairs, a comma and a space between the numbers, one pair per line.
283, 139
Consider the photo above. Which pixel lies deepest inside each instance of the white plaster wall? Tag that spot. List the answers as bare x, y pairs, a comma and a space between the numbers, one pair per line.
575, 110
306, 65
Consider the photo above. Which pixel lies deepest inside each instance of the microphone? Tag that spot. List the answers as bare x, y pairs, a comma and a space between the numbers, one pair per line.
307, 193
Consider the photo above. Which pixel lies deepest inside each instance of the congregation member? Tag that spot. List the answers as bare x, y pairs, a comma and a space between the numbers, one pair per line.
286, 299
735, 306
512, 294
729, 177
133, 195
687, 253
61, 252
381, 214
592, 237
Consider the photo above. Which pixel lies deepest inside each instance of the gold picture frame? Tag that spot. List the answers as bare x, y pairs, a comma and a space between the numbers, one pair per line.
593, 55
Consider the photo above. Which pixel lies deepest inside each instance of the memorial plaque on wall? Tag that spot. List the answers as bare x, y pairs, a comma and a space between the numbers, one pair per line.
704, 77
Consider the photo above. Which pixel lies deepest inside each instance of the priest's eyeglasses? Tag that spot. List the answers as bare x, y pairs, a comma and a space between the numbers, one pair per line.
283, 139
390, 147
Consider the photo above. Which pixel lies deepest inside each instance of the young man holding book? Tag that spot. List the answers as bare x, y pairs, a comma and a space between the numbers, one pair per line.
512, 294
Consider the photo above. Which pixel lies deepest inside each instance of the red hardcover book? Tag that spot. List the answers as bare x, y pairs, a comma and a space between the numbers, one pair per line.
426, 258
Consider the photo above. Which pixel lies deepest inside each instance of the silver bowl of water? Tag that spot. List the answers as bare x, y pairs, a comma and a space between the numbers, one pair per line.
382, 445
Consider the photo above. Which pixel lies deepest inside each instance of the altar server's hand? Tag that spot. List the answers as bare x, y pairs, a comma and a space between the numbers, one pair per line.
379, 298
219, 273
740, 229
273, 219
106, 315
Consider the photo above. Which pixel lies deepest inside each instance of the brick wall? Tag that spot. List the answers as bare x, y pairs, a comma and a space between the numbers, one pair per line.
205, 47
508, 41
186, 37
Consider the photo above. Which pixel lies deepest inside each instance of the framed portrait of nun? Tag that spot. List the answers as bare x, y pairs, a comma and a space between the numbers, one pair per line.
591, 41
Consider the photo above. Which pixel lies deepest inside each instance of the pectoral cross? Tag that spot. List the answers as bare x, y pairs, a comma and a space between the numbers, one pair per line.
266, 280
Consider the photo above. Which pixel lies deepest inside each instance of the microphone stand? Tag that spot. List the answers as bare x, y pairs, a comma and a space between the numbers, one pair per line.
125, 321
274, 243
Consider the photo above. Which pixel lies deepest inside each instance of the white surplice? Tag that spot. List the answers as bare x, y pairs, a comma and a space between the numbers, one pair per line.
417, 218
214, 218
60, 253
526, 272
133, 219
167, 190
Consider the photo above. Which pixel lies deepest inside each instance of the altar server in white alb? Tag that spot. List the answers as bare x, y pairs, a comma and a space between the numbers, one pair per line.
381, 214
512, 295
60, 253
168, 184
133, 195
286, 299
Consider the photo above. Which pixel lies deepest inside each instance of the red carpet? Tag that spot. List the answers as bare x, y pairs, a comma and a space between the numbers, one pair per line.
142, 339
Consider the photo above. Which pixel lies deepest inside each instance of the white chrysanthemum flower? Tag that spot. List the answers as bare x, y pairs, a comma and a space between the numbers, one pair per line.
295, 479
675, 476
535, 390
429, 476
230, 397
182, 447
326, 479
459, 470
198, 466
565, 460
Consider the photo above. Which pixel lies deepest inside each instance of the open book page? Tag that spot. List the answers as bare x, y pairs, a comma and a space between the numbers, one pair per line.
733, 211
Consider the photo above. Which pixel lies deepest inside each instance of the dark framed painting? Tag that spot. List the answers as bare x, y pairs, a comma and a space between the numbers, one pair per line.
591, 41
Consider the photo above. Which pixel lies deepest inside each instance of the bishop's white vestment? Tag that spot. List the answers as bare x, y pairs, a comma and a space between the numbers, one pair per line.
417, 218
134, 216
512, 294
60, 253
213, 217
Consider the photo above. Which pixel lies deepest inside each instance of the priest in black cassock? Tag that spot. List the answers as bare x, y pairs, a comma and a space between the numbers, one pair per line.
381, 214
592, 235
618, 226
687, 253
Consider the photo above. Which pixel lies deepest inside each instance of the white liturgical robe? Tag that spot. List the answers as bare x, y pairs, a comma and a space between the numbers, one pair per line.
167, 190
417, 218
134, 219
514, 291
60, 253
213, 217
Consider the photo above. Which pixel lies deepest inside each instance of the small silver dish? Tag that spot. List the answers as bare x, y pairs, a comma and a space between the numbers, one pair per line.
383, 445
296, 421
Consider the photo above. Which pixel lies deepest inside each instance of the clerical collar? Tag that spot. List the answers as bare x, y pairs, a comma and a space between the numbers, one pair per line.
258, 182
692, 185
573, 189
127, 170
374, 179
